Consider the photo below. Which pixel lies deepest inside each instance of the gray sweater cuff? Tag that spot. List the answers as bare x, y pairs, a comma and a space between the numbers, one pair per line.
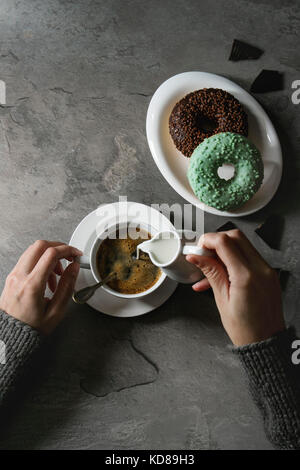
275, 385
18, 342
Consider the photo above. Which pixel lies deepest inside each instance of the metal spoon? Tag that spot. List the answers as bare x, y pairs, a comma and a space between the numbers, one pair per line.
83, 295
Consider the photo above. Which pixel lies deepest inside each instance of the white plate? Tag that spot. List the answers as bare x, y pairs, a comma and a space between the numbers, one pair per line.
83, 237
173, 165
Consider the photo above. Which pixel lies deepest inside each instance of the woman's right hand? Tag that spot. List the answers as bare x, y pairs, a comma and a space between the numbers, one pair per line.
246, 288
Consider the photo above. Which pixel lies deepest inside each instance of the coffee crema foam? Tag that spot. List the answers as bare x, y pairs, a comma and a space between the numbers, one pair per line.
133, 275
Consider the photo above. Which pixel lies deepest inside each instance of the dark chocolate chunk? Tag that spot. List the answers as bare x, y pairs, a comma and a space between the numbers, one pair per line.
271, 231
243, 51
267, 80
283, 277
227, 226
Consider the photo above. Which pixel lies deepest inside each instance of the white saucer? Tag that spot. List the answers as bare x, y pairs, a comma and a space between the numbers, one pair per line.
102, 301
173, 165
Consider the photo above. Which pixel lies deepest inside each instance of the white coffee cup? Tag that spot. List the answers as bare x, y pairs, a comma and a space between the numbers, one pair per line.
89, 261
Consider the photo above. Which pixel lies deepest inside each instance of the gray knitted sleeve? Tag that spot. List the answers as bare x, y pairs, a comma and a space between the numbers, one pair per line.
275, 385
18, 342
274, 379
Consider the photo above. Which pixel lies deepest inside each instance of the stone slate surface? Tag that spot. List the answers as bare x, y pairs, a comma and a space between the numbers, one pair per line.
79, 78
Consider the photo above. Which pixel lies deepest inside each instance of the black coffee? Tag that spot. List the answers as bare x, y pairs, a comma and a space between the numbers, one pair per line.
133, 275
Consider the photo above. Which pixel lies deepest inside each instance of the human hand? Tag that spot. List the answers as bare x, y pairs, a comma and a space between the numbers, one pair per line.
246, 289
23, 296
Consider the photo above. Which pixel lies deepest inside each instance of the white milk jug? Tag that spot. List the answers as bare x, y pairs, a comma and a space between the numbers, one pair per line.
167, 250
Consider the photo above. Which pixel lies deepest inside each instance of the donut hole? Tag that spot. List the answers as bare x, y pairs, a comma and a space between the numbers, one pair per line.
226, 171
205, 124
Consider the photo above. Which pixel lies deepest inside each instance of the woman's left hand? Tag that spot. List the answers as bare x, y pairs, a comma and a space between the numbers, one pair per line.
23, 296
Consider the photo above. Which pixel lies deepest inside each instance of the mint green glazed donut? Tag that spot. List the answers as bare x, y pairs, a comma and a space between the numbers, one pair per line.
212, 153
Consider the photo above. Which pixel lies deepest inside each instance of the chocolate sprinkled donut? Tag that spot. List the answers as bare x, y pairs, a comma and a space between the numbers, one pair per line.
204, 113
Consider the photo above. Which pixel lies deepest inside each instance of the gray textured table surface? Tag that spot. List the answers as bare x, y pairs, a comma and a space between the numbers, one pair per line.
79, 78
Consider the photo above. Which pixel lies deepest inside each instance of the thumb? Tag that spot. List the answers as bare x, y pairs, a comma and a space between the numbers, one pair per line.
214, 272
64, 291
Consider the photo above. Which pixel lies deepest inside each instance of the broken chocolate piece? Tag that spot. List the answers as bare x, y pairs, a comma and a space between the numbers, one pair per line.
283, 277
271, 231
243, 51
227, 226
267, 80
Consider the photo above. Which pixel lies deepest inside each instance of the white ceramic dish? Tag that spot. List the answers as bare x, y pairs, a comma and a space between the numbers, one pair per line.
83, 238
173, 165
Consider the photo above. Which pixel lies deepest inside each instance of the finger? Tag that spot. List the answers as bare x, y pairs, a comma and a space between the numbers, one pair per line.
214, 271
254, 259
30, 257
228, 252
201, 286
64, 290
58, 268
52, 282
49, 259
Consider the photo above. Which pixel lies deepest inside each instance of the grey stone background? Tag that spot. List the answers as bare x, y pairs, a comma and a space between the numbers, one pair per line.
79, 76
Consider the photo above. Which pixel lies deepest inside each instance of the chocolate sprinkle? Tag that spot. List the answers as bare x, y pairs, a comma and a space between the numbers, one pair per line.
243, 51
271, 231
204, 113
267, 80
